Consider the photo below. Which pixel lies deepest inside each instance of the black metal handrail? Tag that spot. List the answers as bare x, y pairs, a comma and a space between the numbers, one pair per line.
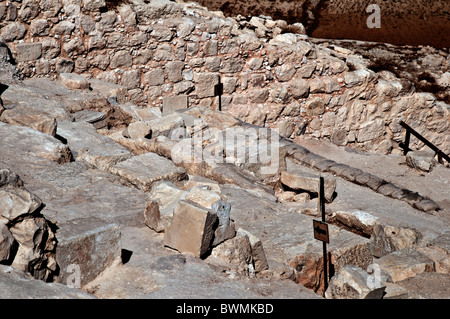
409, 130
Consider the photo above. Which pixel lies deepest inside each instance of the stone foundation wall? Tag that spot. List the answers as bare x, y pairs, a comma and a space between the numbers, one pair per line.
272, 75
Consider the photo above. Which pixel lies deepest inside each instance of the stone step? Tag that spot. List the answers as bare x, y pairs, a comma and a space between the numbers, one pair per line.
143, 170
88, 145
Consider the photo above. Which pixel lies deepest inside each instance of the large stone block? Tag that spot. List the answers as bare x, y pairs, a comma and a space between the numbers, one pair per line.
405, 263
308, 182
352, 282
161, 202
74, 81
191, 230
173, 103
30, 141
143, 170
18, 202
205, 84
88, 145
258, 255
31, 118
86, 247
420, 160
387, 239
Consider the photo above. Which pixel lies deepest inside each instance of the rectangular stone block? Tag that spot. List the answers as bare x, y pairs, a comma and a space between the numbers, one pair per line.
308, 182
173, 103
28, 51
90, 146
17, 140
405, 263
191, 230
143, 170
86, 247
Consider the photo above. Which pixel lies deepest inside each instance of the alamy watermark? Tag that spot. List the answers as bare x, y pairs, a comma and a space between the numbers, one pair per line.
374, 280
74, 279
374, 19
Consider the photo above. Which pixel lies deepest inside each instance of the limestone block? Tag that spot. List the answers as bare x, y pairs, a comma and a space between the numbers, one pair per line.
235, 254
205, 84
161, 202
405, 263
28, 51
420, 160
18, 202
315, 106
13, 31
371, 130
299, 88
386, 239
35, 240
258, 253
90, 146
143, 170
191, 230
97, 119
357, 219
32, 142
173, 103
308, 182
174, 71
86, 247
32, 118
139, 129
121, 59
203, 196
167, 125
351, 282
74, 81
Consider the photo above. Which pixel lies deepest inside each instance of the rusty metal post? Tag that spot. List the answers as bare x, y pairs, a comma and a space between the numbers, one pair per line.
321, 210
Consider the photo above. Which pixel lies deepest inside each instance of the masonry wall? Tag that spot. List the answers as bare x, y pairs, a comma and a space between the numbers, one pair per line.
271, 74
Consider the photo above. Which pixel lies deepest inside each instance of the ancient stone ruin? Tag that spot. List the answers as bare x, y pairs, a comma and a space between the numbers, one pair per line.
156, 149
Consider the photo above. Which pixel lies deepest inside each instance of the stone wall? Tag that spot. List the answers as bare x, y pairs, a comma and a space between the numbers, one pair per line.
272, 74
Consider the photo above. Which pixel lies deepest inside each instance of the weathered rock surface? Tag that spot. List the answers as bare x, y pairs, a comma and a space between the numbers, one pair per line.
16, 284
89, 176
352, 283
405, 263
36, 143
86, 247
143, 170
191, 229
87, 145
306, 182
423, 161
